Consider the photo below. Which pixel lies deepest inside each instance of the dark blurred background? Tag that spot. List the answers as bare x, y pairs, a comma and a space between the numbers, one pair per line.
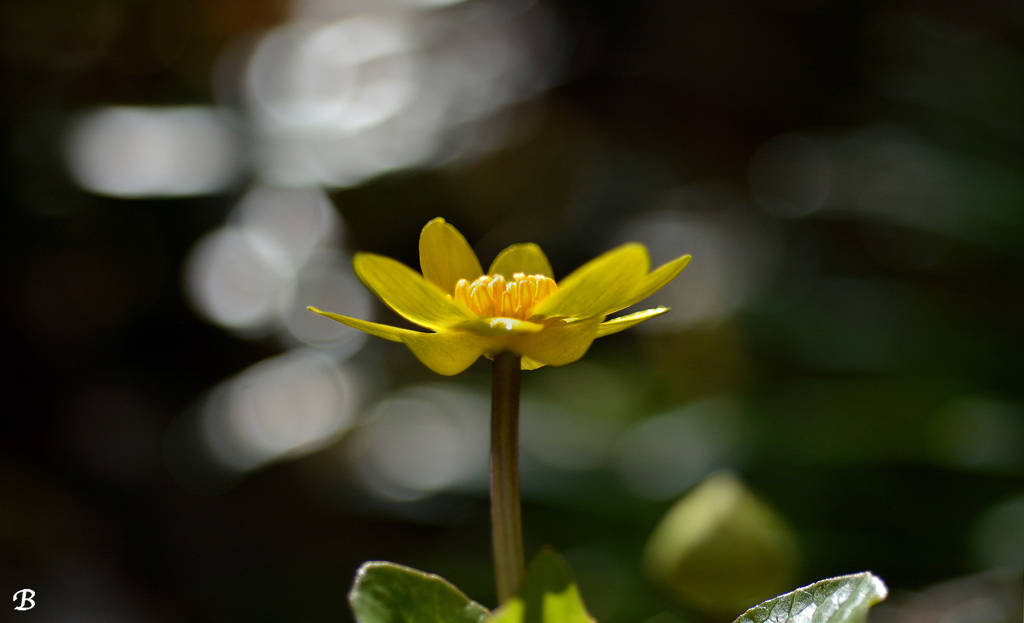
181, 441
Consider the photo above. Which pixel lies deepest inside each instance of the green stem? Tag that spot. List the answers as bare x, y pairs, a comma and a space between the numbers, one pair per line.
506, 518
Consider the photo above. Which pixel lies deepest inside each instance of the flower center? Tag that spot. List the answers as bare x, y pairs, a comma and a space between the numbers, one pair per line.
492, 296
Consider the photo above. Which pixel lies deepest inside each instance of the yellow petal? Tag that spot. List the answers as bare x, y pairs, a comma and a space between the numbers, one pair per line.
598, 285
446, 257
556, 346
446, 353
653, 282
380, 330
449, 352
624, 322
406, 292
530, 364
496, 327
521, 258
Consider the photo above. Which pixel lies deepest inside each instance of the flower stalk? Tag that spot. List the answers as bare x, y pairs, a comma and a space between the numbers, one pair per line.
506, 516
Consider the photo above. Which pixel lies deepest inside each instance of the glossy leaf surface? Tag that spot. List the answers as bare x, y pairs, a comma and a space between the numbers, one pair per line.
384, 592
844, 599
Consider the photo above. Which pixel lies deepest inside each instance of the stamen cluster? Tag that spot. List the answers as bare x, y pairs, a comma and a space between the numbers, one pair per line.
492, 296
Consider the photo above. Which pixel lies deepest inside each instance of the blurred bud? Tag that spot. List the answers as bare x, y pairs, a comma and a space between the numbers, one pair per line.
721, 550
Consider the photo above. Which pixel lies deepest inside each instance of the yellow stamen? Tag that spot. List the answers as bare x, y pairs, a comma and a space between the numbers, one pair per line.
491, 296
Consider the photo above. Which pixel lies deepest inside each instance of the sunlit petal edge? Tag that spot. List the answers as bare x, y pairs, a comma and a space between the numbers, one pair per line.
622, 323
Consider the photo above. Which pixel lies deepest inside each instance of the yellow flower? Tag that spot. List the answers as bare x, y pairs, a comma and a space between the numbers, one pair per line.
515, 307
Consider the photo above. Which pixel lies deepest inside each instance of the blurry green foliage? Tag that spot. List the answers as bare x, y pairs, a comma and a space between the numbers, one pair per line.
720, 549
549, 595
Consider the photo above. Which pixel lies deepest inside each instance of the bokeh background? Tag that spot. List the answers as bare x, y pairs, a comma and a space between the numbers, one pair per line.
181, 441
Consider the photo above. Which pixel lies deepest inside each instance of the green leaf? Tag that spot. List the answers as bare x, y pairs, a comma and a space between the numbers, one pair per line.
384, 592
549, 595
844, 599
